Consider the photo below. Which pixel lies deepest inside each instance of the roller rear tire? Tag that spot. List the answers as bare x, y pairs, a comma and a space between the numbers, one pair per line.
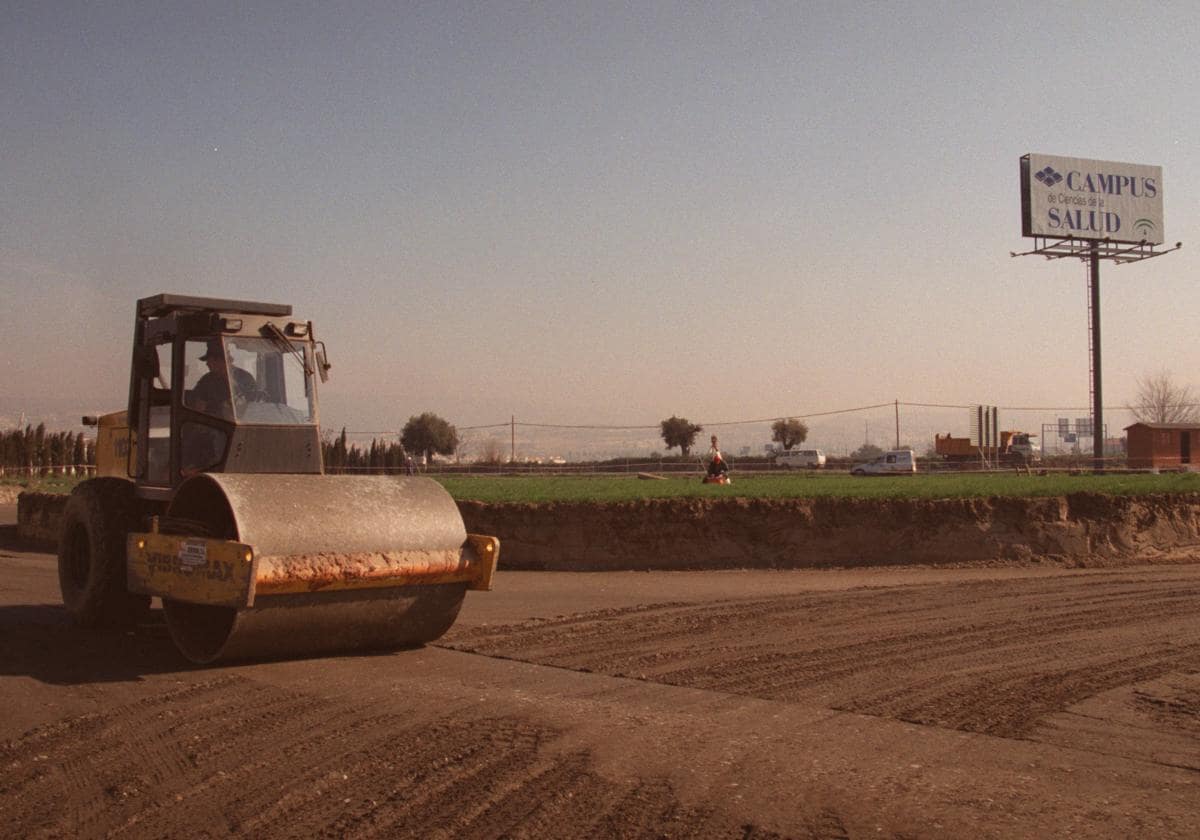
91, 555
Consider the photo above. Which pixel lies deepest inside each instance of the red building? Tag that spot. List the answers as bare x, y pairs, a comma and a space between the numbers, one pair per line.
1163, 445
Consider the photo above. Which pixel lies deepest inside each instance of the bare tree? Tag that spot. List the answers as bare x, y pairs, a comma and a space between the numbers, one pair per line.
490, 452
1161, 400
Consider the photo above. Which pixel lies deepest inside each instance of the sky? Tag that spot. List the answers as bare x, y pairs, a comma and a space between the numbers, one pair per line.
593, 213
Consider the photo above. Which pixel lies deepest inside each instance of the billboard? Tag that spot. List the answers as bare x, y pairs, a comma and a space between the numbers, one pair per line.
1091, 199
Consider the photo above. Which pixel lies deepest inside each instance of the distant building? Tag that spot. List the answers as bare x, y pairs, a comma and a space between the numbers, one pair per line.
1163, 445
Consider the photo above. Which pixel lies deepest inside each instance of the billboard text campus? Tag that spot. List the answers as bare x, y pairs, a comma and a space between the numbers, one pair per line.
1091, 199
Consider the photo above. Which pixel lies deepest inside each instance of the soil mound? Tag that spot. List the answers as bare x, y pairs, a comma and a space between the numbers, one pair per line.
1083, 529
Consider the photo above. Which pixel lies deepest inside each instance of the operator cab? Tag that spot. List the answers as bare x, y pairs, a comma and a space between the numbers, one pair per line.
221, 386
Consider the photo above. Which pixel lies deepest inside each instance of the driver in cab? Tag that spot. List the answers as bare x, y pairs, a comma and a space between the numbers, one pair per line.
212, 392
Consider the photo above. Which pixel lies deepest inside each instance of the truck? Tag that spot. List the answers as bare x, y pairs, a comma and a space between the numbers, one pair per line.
1016, 447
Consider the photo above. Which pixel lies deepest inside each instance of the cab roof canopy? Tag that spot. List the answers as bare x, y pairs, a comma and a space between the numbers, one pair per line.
159, 305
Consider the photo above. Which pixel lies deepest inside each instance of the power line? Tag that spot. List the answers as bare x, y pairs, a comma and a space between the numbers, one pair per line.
601, 427
801, 416
592, 428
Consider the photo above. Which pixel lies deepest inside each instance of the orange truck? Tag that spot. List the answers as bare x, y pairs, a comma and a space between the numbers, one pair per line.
1014, 446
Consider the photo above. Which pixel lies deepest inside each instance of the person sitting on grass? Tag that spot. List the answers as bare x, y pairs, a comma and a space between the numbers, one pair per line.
716, 464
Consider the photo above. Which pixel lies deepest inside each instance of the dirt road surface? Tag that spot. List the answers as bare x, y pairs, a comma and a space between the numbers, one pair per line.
865, 703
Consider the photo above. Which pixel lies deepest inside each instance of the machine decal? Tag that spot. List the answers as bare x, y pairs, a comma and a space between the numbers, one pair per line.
193, 554
197, 571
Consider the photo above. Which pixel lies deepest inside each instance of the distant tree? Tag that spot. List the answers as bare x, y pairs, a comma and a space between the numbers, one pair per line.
429, 435
1161, 400
334, 449
681, 432
9, 449
37, 447
789, 432
866, 452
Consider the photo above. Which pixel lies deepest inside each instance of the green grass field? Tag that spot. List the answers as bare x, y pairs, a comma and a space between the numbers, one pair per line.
630, 488
625, 488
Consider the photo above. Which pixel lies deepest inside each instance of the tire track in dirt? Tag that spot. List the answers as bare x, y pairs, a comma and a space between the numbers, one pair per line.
756, 635
982, 656
61, 761
231, 756
572, 641
1179, 708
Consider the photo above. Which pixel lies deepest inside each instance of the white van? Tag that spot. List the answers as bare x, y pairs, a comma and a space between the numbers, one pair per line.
892, 462
812, 459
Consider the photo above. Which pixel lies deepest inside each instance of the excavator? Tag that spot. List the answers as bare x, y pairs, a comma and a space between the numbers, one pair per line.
210, 494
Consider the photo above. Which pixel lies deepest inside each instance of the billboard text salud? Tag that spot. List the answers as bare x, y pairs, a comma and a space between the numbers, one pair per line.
1091, 199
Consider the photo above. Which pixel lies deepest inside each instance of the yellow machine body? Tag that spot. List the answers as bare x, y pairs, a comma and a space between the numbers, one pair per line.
116, 445
224, 511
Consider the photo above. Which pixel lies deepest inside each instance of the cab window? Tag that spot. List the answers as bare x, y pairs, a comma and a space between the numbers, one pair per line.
249, 380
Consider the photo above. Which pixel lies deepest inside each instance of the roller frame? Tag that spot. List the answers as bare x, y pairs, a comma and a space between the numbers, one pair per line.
227, 573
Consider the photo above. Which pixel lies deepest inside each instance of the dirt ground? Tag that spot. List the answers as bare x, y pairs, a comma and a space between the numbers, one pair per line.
984, 702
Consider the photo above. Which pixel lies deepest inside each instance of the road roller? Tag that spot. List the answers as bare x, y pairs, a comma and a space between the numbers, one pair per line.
210, 494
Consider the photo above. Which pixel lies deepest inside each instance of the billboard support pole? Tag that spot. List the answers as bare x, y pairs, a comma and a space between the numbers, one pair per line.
1092, 252
1097, 398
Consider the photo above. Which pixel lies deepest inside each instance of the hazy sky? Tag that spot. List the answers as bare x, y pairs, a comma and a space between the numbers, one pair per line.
592, 212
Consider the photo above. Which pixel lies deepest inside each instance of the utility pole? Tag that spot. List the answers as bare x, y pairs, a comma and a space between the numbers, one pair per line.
897, 423
512, 451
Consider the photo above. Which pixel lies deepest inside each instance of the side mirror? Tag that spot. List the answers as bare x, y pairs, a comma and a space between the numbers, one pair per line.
323, 365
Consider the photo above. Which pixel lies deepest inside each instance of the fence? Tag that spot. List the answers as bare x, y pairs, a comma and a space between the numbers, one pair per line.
839, 433
568, 449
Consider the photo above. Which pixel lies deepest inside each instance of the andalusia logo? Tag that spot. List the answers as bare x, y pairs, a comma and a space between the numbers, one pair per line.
1048, 176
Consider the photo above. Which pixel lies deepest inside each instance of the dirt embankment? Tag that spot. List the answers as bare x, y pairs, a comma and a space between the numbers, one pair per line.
1082, 529
1078, 530
39, 518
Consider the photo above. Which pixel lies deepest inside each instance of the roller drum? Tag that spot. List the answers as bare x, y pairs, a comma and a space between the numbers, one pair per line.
332, 518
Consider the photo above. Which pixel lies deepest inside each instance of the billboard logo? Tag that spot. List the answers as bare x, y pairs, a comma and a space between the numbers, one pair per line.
1048, 176
1144, 226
